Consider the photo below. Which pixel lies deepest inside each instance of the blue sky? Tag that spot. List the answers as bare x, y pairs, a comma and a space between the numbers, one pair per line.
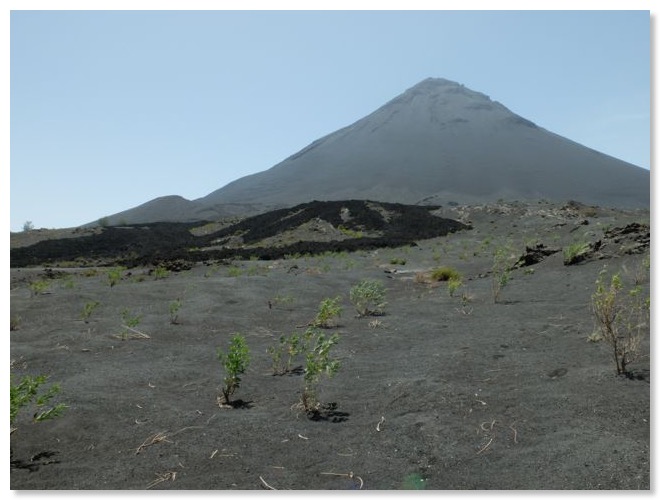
110, 109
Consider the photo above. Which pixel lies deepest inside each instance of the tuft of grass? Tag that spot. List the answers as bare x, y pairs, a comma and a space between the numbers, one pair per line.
575, 252
445, 273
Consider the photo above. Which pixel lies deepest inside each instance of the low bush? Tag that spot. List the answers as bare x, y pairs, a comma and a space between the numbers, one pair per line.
368, 297
445, 273
235, 361
31, 390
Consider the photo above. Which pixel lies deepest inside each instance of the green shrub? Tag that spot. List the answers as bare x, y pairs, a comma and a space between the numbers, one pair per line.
398, 261
287, 349
234, 362
368, 297
318, 363
453, 284
114, 275
29, 390
160, 272
445, 273
329, 310
622, 317
503, 260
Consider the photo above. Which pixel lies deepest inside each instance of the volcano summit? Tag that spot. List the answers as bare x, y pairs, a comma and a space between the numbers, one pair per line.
437, 143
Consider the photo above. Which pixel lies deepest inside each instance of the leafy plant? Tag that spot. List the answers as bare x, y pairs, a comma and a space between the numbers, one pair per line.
88, 309
398, 261
453, 284
622, 316
234, 362
234, 271
114, 275
287, 349
37, 287
329, 309
575, 252
175, 305
503, 259
368, 297
29, 390
318, 363
160, 272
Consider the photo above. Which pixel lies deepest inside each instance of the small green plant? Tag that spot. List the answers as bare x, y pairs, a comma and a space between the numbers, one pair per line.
32, 390
318, 363
329, 310
398, 262
88, 309
38, 287
575, 252
174, 307
129, 324
68, 283
234, 362
287, 349
445, 273
453, 284
622, 318
350, 232
503, 260
160, 272
114, 275
368, 297
234, 271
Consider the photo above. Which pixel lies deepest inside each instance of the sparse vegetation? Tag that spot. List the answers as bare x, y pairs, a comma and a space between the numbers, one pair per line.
453, 284
575, 252
445, 273
32, 390
503, 259
114, 275
174, 308
88, 309
318, 363
622, 317
28, 226
287, 349
160, 272
329, 311
235, 361
398, 262
368, 297
38, 287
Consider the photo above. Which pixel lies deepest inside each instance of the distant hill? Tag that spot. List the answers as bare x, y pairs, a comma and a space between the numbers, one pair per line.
309, 228
438, 142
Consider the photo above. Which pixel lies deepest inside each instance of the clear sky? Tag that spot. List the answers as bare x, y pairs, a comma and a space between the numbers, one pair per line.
110, 109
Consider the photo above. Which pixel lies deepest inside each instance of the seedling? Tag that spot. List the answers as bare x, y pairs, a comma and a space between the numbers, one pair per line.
29, 390
160, 272
287, 349
175, 305
453, 284
88, 309
234, 362
114, 275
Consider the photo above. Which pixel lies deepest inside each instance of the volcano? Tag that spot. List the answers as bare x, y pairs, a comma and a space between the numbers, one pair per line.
437, 143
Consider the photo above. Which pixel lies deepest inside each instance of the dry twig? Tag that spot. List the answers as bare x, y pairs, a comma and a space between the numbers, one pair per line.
266, 484
168, 476
156, 438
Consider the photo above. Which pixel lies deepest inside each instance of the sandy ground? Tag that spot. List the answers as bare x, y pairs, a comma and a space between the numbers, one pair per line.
438, 393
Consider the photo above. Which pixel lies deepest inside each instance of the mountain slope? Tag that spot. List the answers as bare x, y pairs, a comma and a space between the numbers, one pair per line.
443, 142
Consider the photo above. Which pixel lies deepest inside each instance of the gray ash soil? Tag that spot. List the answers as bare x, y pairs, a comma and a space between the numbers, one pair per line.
435, 394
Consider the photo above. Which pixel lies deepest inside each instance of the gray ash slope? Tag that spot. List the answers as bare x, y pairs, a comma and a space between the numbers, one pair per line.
436, 143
